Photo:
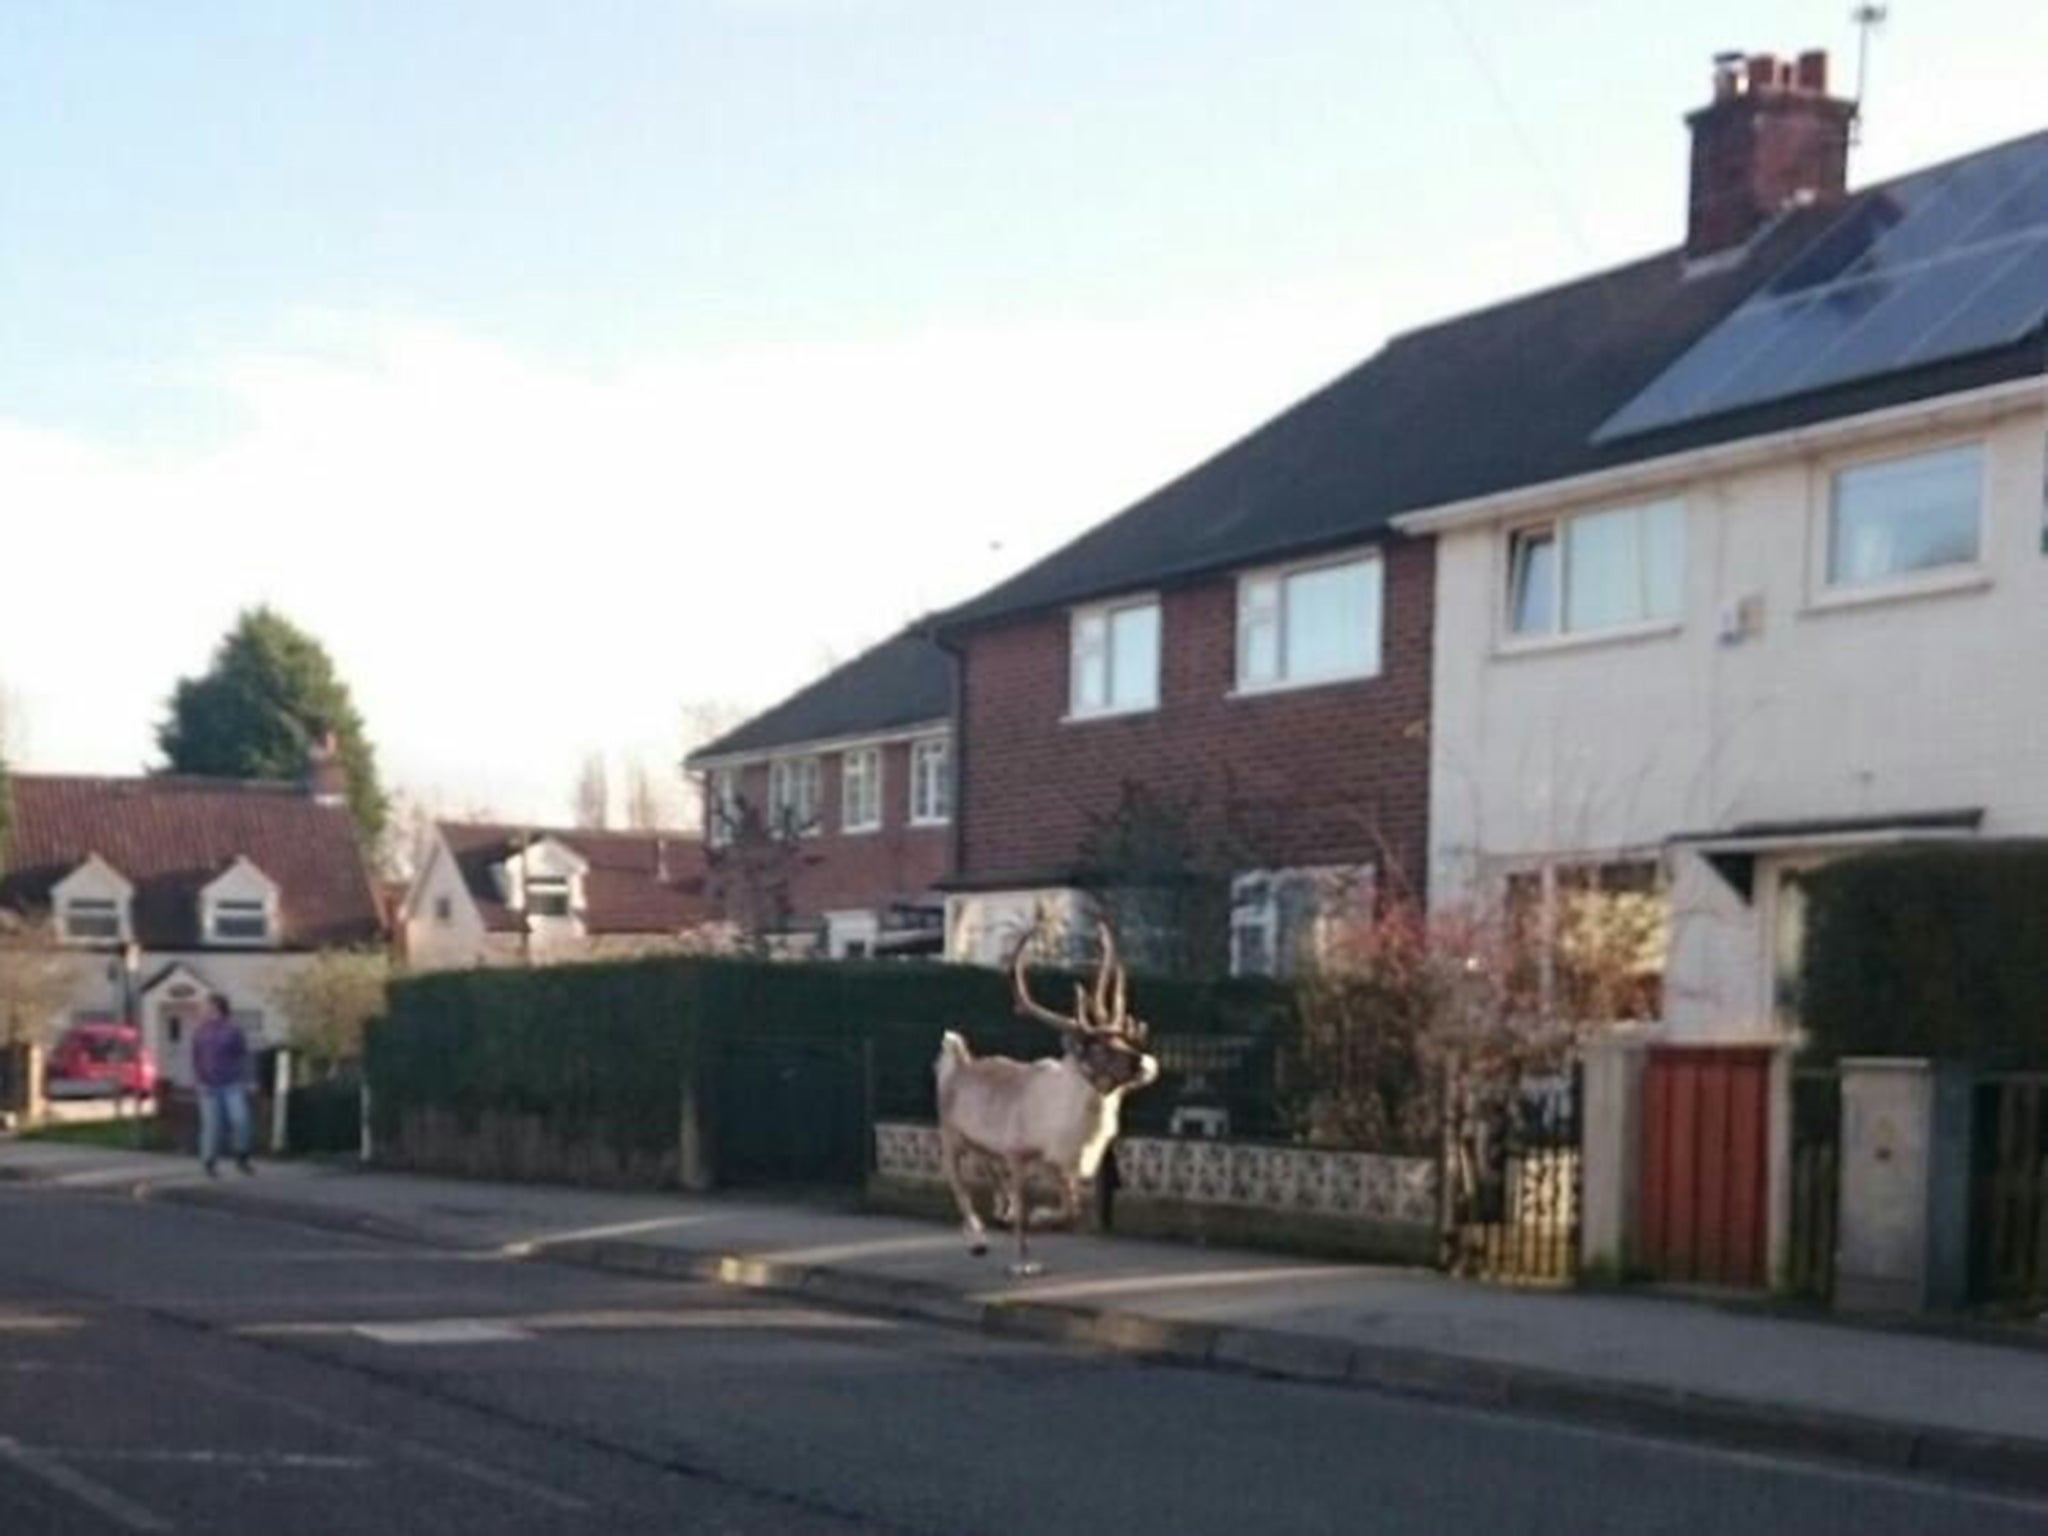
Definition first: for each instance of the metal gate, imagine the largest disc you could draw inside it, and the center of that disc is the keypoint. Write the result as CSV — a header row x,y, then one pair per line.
x,y
791,1109
1511,1176
1706,1156
2010,1179
1816,1182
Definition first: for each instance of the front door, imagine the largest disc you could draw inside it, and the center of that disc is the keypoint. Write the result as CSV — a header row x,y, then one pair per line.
x,y
173,1012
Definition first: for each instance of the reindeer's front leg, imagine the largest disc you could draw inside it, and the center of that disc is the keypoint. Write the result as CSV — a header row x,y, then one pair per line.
x,y
1020,1171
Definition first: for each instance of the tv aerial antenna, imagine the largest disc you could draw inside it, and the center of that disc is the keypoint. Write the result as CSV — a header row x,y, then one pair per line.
x,y
1869,17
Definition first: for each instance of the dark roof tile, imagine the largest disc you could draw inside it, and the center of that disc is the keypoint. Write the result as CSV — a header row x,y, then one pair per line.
x,y
1495,400
904,681
170,836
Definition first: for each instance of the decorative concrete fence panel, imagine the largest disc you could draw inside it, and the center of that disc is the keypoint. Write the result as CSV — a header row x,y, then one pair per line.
x,y
1363,1204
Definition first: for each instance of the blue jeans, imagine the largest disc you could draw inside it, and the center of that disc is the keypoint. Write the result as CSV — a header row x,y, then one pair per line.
x,y
230,1102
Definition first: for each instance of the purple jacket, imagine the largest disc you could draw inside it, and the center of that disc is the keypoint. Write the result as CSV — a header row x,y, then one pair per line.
x,y
220,1053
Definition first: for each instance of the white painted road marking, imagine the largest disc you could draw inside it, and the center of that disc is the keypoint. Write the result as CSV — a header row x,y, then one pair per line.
x,y
94,1496
443,1330
446,1461
263,1461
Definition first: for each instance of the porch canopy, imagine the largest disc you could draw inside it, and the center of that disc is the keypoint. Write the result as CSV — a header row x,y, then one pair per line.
x,y
1734,851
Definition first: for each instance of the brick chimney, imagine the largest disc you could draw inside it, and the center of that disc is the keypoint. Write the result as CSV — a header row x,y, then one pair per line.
x,y
326,777
1771,139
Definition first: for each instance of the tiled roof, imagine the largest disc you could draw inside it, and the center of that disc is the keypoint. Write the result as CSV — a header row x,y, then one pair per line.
x,y
1496,400
903,681
637,882
171,836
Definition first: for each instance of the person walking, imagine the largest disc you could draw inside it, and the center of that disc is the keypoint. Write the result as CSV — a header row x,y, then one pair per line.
x,y
220,1064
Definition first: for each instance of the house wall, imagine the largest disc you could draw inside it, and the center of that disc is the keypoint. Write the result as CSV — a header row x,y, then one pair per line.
x,y
1329,774
1909,703
434,945
253,981
843,871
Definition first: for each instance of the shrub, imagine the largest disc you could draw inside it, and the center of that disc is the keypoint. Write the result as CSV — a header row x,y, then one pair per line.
x,y
1934,950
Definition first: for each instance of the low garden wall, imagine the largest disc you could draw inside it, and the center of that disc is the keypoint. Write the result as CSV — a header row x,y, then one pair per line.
x,y
1302,1199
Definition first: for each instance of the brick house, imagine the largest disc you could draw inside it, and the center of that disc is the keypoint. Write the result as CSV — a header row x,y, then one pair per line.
x,y
161,891
1264,639
492,894
828,818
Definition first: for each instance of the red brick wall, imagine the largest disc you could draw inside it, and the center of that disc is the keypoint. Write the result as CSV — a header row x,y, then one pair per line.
x,y
842,871
1326,773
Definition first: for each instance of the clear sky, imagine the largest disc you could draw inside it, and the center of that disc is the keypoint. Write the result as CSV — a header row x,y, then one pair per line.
x,y
562,364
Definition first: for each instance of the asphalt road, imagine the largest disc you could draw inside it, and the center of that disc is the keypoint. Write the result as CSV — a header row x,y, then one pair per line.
x,y
173,1369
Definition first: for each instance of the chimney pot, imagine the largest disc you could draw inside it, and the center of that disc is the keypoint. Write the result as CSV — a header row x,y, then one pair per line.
x,y
1813,72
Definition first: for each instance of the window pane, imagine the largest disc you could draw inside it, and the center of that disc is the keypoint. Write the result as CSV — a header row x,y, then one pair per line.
x,y
1091,664
1602,586
1663,560
1532,582
1908,515
1258,631
1134,657
1333,621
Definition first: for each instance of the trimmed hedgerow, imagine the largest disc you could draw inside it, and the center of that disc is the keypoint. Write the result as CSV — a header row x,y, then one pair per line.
x,y
600,1055
1938,950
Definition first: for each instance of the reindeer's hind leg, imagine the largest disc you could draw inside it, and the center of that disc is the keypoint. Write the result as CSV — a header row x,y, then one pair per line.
x,y
951,1151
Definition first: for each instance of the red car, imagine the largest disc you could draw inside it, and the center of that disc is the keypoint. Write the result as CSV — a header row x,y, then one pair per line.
x,y
100,1061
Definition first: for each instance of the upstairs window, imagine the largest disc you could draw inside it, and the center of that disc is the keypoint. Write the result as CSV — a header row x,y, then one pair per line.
x,y
547,896
92,920
1902,516
240,922
1312,624
1598,570
1115,667
860,790
793,795
931,781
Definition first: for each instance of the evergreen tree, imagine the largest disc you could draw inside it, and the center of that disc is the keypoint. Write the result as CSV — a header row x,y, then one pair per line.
x,y
269,694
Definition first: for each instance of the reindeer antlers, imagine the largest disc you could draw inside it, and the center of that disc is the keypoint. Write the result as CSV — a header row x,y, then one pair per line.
x,y
1106,1012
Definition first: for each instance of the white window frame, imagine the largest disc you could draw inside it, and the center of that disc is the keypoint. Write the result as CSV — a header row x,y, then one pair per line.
x,y
1559,529
1105,614
1255,908
871,778
1827,591
931,794
240,906
721,806
1277,577
788,808
101,906
549,883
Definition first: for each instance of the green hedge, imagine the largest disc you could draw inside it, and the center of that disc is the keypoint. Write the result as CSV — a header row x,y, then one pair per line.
x,y
596,1052
600,1053
1937,950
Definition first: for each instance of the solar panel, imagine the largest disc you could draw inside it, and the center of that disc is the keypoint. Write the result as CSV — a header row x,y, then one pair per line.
x,y
1932,267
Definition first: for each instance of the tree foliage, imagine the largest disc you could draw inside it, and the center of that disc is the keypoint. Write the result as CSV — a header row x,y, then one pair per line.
x,y
35,979
1163,884
270,692
330,999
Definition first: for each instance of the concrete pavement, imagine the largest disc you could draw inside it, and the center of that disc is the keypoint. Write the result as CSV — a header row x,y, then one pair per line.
x,y
1897,1400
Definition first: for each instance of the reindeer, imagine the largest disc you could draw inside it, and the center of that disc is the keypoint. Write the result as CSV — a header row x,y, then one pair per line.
x,y
1058,1114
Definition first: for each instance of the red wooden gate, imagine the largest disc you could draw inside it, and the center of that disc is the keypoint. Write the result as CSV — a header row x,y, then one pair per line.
x,y
1706,1152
